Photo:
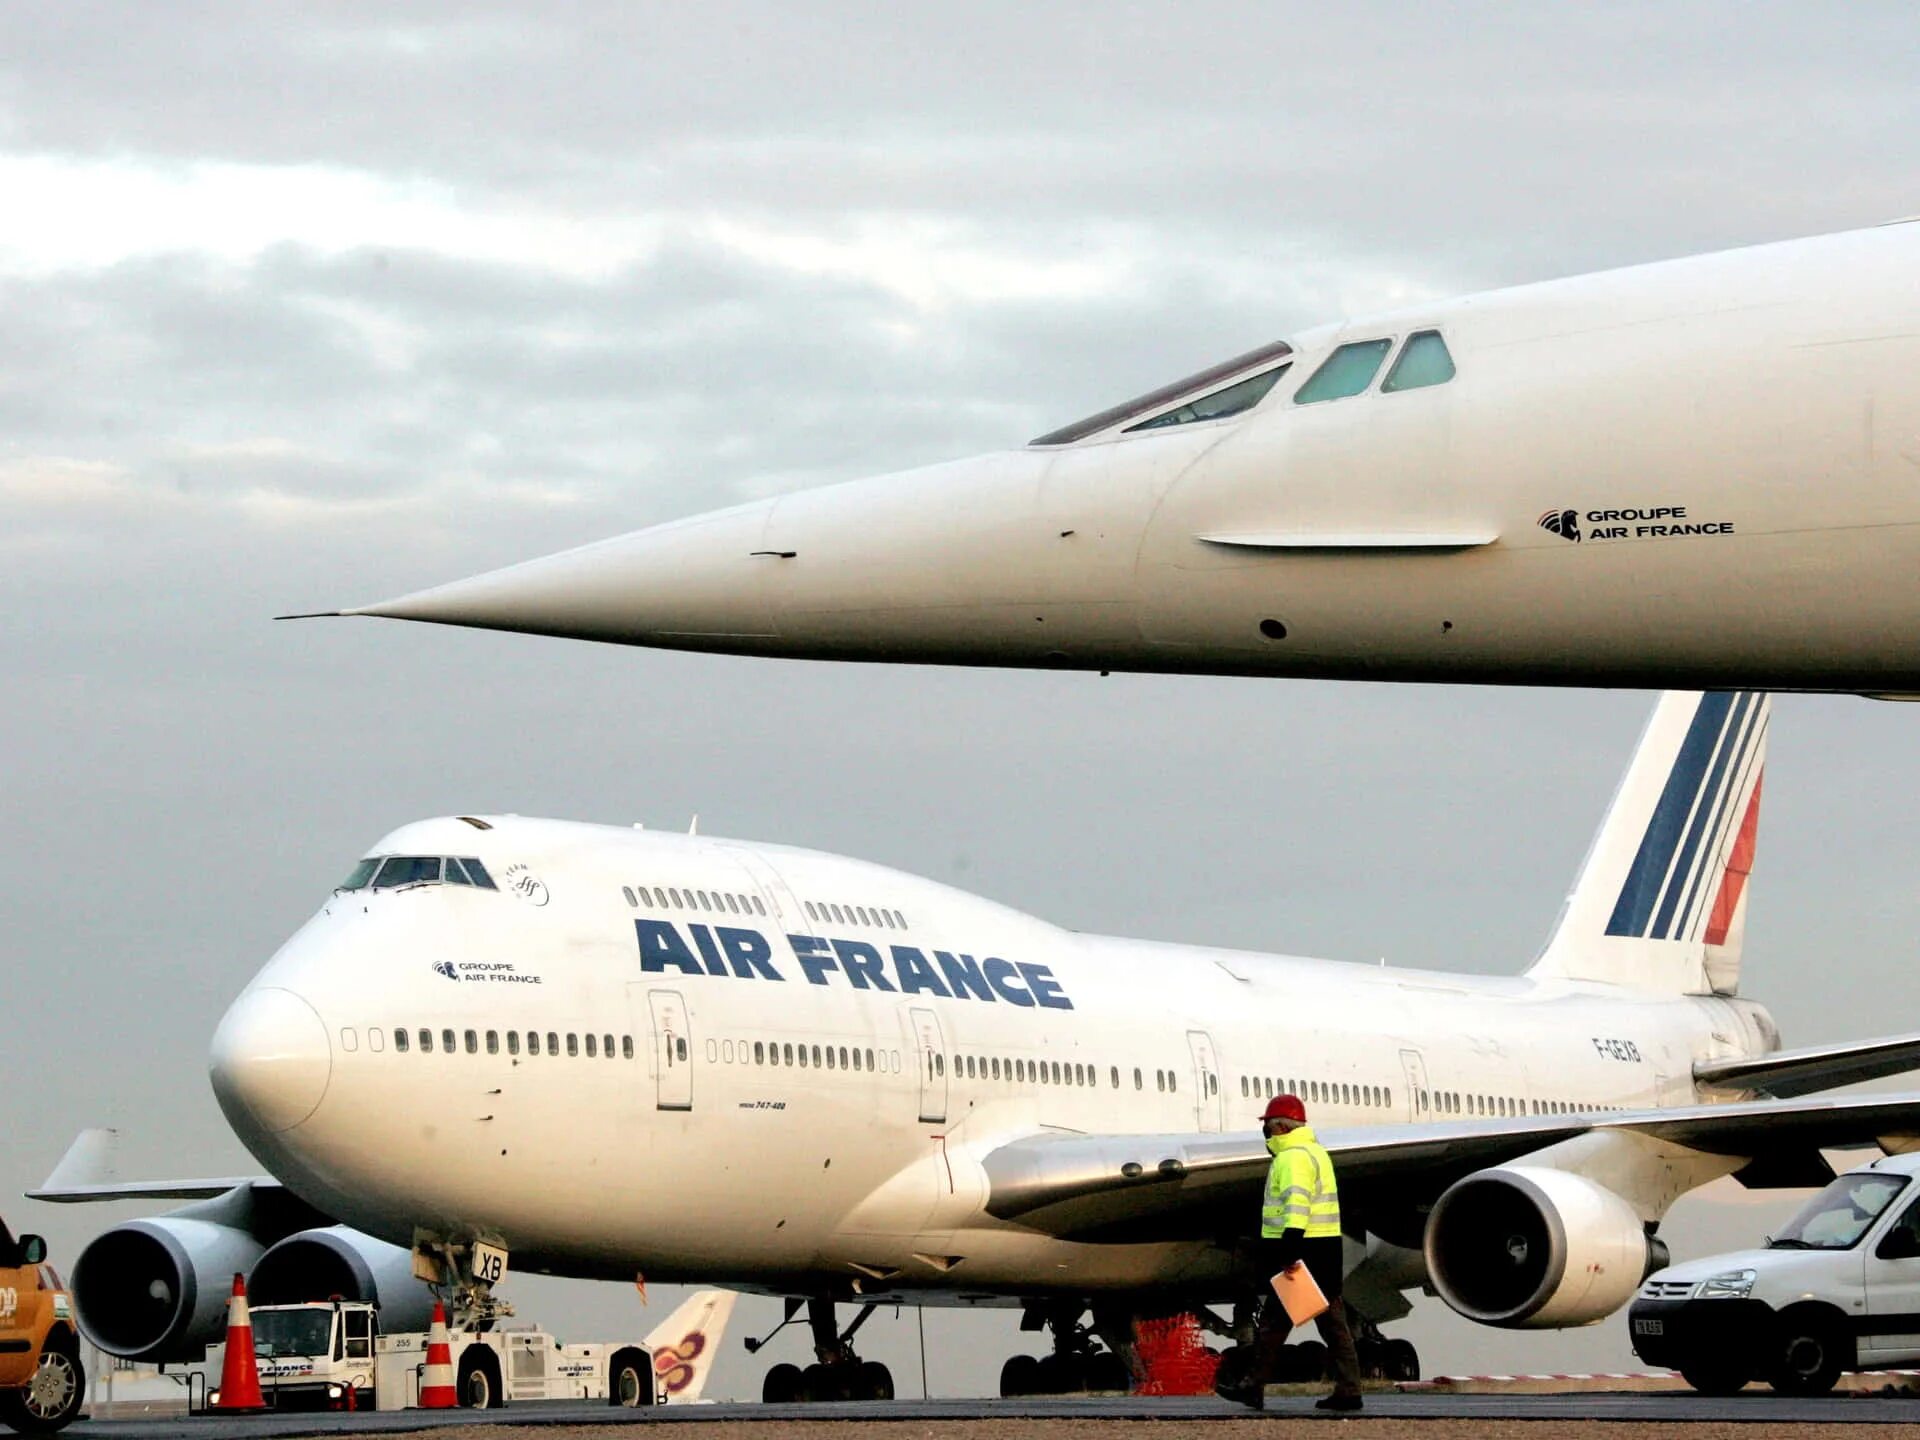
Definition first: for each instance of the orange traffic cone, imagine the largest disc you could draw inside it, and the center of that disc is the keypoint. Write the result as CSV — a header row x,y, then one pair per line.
x,y
436,1386
239,1371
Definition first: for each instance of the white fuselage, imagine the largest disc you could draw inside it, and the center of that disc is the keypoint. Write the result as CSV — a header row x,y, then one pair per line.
x,y
1735,436
688,1154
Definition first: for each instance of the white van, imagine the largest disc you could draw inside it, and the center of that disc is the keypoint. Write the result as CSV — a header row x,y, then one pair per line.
x,y
1838,1289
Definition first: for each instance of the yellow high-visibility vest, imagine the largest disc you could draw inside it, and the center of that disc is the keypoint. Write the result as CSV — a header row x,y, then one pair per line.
x,y
1301,1191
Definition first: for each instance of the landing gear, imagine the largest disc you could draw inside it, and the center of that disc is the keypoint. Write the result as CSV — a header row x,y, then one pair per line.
x,y
1381,1358
837,1372
1074,1365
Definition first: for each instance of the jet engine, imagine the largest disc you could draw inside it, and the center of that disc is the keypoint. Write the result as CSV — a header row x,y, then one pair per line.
x,y
1526,1247
320,1264
156,1290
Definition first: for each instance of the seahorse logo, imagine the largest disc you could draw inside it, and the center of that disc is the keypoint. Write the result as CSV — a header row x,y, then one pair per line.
x,y
673,1364
445,967
1564,523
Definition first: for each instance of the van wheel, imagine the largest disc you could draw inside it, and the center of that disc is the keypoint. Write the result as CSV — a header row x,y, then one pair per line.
x,y
1715,1377
629,1381
52,1397
1810,1355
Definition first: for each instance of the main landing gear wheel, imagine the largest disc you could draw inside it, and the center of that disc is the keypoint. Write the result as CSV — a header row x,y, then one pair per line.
x,y
1019,1376
875,1381
782,1385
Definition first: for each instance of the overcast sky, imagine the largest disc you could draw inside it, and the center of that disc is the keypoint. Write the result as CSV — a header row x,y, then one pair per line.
x,y
303,308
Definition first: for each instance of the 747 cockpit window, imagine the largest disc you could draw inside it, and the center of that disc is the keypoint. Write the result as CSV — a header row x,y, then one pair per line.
x,y
1204,385
390,872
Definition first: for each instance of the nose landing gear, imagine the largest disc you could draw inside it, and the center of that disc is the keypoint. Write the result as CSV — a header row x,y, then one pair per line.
x,y
837,1373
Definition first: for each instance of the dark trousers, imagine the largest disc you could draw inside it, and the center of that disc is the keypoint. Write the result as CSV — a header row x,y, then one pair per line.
x,y
1323,1258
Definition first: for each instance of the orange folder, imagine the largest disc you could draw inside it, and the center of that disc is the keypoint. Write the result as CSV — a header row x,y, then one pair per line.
x,y
1299,1293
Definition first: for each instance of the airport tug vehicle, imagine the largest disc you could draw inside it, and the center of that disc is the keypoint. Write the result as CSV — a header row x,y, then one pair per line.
x,y
1837,1290
42,1383
331,1355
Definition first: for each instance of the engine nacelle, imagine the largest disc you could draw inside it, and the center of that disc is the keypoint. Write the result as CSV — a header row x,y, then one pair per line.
x,y
320,1264
1528,1247
156,1290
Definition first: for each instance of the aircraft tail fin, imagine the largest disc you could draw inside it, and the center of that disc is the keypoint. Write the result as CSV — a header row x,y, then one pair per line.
x,y
685,1344
1661,900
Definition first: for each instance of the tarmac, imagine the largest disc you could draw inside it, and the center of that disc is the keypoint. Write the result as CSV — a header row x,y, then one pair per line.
x,y
1756,1413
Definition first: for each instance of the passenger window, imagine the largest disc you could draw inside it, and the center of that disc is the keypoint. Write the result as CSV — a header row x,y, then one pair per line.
x,y
473,1043
513,1042
626,1048
732,904
606,1047
493,1042
447,1042
1114,1070
680,1048
811,913
348,1039
816,1057
1347,371
591,1047
553,1042
787,1052
376,1040
758,908
1423,361
759,1053
843,1057
1236,398
399,1040
869,1059
1138,1083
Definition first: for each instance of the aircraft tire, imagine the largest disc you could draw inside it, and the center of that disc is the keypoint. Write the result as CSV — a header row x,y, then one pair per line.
x,y
1403,1361
782,1385
630,1381
1019,1376
1107,1371
875,1381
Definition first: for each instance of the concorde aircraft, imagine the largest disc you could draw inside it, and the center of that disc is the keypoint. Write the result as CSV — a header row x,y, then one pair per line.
x,y
605,1052
1700,472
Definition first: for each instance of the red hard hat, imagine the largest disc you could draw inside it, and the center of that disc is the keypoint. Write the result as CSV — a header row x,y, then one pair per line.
x,y
1285,1107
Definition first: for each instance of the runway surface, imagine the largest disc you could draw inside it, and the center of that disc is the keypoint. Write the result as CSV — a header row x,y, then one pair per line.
x,y
1757,1413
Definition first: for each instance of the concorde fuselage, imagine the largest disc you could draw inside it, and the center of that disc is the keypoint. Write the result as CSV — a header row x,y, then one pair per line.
x,y
1704,471
915,1028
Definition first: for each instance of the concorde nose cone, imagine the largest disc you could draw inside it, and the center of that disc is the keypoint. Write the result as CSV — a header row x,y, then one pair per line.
x,y
682,584
270,1061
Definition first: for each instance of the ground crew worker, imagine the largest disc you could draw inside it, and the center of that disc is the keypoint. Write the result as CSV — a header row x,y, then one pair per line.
x,y
1299,1223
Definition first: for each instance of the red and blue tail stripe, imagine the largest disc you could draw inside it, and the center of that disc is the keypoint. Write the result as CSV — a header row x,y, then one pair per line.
x,y
1684,873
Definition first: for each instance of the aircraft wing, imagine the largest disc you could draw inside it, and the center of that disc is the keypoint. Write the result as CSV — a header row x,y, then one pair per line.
x,y
1193,1186
1786,1073
89,1172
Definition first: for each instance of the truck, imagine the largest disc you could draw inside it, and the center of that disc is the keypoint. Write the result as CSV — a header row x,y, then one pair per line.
x,y
1837,1290
332,1355
42,1384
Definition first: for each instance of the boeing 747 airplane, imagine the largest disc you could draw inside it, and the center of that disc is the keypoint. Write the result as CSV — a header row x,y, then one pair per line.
x,y
1701,472
593,1051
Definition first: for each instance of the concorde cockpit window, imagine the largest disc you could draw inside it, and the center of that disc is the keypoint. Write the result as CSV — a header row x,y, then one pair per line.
x,y
1217,405
1347,371
1204,384
390,872
1423,360
1839,1215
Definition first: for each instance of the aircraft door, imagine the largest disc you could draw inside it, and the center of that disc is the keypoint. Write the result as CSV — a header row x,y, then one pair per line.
x,y
930,1056
1207,1099
672,1047
1415,1069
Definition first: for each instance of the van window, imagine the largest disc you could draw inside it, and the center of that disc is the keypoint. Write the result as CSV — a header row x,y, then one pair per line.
x,y
1839,1215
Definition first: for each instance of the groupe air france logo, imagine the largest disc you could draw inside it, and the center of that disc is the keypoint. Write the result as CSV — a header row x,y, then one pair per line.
x,y
445,967
1564,523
